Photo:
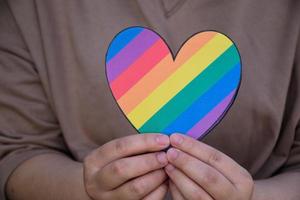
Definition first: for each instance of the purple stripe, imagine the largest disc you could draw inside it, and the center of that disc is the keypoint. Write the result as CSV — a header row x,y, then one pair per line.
x,y
130,53
206,122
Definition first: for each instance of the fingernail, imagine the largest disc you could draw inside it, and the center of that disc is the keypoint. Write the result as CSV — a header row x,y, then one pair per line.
x,y
162,158
162,139
169,167
173,153
177,139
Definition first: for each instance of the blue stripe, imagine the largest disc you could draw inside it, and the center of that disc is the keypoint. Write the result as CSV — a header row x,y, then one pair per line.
x,y
206,102
121,40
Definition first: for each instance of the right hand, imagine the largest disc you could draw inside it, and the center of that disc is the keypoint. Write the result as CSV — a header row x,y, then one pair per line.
x,y
128,168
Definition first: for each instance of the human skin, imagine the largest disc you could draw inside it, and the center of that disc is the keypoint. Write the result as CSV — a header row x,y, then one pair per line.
x,y
56,176
198,171
122,173
126,168
202,172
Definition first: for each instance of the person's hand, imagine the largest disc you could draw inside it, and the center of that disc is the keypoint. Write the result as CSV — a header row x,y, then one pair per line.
x,y
198,171
128,168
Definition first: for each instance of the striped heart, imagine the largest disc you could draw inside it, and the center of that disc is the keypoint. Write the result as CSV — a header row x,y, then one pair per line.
x,y
157,93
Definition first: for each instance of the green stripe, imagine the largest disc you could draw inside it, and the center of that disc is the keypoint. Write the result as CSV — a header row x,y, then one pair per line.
x,y
180,102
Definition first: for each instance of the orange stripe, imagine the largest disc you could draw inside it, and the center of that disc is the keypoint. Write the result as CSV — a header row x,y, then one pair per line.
x,y
160,72
139,68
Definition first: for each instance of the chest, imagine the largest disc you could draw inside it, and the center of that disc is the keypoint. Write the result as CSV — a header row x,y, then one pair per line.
x,y
80,37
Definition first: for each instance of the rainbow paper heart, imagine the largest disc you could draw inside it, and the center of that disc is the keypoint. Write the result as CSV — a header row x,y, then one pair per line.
x,y
157,93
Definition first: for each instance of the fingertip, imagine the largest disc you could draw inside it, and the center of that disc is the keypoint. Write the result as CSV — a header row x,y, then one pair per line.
x,y
169,168
176,139
172,154
162,158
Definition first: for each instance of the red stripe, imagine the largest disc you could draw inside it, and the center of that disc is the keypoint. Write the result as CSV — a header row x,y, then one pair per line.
x,y
139,68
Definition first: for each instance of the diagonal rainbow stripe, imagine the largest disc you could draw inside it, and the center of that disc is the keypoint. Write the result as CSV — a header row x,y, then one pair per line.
x,y
194,90
188,95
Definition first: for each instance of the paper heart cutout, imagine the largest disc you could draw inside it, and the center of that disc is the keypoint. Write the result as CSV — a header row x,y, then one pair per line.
x,y
188,95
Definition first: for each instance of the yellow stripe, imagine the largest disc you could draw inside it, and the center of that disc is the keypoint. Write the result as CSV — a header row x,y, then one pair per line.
x,y
178,80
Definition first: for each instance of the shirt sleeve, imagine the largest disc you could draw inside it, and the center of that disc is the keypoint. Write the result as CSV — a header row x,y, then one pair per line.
x,y
28,126
292,163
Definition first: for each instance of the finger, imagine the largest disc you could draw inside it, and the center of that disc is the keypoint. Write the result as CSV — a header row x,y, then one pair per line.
x,y
176,195
210,179
158,193
122,170
128,146
223,163
140,187
187,187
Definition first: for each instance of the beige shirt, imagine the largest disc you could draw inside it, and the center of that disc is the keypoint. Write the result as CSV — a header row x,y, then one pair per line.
x,y
54,95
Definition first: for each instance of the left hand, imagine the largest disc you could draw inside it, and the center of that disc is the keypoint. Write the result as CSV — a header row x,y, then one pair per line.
x,y
198,171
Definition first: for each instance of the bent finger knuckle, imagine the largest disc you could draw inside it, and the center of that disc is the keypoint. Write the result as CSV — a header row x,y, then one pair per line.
x,y
121,146
247,176
95,192
90,166
117,168
246,179
214,157
90,158
210,177
137,188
